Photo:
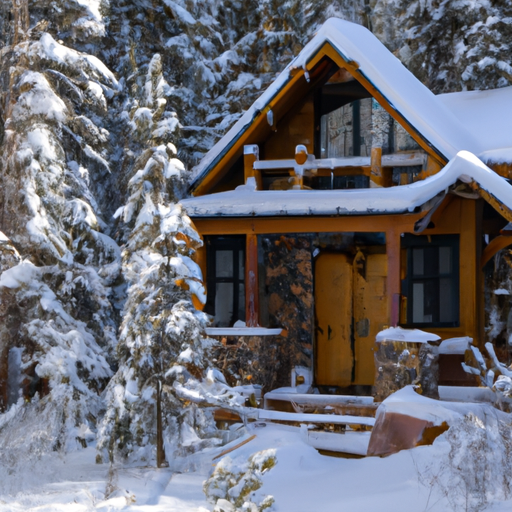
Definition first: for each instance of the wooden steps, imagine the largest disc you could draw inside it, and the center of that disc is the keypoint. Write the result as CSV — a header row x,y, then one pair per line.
x,y
329,423
315,419
327,404
354,443
275,400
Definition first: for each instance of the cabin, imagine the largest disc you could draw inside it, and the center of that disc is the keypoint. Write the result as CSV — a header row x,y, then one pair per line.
x,y
348,199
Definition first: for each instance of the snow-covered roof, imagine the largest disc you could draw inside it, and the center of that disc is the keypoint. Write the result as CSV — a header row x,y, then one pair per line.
x,y
426,113
246,201
487,115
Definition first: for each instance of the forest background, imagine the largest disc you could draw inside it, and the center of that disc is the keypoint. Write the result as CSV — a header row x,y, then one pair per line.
x,y
105,109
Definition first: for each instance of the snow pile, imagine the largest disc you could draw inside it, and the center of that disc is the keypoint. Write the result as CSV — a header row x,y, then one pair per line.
x,y
233,482
455,345
453,474
409,335
32,434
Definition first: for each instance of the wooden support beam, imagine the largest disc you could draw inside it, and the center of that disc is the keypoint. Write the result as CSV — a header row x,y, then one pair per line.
x,y
433,167
251,282
312,224
495,245
469,271
393,283
501,208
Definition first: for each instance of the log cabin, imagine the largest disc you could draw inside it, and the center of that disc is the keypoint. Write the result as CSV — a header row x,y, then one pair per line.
x,y
347,199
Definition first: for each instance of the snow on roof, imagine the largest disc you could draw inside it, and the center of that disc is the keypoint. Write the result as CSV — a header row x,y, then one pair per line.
x,y
246,201
488,115
404,92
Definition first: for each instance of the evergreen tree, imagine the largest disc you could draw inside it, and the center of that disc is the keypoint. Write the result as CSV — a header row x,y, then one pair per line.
x,y
162,351
58,320
453,45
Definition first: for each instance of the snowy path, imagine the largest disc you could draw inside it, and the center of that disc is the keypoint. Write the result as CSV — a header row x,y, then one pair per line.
x,y
76,484
302,481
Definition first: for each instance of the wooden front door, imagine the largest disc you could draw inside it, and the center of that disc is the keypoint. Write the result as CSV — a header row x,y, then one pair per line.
x,y
333,310
350,309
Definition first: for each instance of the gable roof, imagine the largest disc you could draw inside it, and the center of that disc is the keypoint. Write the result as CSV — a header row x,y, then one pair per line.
x,y
245,201
405,94
488,115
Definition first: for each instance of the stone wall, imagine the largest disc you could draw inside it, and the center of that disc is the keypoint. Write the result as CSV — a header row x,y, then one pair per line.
x,y
288,297
286,302
251,360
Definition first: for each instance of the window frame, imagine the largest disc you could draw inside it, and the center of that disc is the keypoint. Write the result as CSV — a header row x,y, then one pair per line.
x,y
411,242
235,244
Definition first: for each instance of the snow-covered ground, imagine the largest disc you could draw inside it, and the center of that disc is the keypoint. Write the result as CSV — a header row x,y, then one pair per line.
x,y
415,480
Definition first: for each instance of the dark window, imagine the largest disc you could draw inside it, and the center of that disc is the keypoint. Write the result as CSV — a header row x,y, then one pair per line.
x,y
225,279
432,282
338,182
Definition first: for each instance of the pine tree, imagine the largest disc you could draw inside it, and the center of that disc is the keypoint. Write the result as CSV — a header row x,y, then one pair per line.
x,y
454,45
58,318
162,351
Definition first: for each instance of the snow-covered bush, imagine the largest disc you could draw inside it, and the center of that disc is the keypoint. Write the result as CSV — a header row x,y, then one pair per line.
x,y
478,463
493,374
232,484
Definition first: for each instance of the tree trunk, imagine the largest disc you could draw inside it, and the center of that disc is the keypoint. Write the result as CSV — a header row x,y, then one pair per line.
x,y
21,20
160,453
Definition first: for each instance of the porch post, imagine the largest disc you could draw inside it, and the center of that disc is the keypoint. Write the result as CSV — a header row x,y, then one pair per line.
x,y
251,281
393,278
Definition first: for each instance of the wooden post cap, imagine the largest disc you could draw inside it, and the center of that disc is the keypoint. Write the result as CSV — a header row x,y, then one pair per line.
x,y
301,154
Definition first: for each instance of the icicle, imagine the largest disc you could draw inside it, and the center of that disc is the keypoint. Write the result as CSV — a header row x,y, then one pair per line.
x,y
270,118
306,74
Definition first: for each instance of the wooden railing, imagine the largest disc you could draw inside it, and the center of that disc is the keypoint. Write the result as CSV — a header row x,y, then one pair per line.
x,y
305,164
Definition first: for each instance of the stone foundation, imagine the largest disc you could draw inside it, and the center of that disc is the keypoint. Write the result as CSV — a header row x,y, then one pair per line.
x,y
399,364
262,360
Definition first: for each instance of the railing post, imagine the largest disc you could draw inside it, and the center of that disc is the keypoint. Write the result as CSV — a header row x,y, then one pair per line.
x,y
251,155
376,167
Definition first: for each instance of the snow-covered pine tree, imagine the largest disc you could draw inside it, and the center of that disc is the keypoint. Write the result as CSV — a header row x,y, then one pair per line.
x,y
163,371
57,319
454,45
285,27
218,56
